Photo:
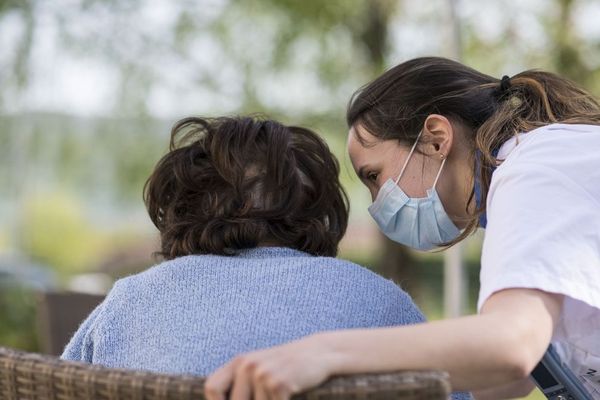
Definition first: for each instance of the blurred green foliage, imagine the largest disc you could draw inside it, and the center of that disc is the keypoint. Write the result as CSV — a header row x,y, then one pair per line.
x,y
56,233
18,318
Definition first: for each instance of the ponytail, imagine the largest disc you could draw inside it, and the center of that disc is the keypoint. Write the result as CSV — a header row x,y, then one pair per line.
x,y
532,100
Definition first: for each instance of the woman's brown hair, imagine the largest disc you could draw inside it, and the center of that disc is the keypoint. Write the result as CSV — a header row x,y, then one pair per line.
x,y
395,105
233,183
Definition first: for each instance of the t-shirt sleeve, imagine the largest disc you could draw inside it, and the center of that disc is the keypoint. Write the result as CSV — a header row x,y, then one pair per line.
x,y
543,232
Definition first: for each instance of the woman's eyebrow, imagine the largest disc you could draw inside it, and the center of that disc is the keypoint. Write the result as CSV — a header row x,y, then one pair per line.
x,y
361,171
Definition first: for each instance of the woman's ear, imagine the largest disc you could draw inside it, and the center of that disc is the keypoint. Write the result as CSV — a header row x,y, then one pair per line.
x,y
438,136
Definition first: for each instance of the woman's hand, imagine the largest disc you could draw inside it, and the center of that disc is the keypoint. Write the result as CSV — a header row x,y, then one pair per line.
x,y
273,374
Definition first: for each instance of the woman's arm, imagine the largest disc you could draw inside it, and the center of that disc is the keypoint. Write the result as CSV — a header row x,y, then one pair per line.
x,y
502,344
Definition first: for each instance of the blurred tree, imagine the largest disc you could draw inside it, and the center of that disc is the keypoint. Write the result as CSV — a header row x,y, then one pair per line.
x,y
566,55
297,60
56,232
17,72
17,319
570,55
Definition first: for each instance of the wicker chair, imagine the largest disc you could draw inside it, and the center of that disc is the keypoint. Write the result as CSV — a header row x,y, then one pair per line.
x,y
27,376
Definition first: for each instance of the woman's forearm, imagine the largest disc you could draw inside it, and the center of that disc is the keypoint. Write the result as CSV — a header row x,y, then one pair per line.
x,y
474,351
478,351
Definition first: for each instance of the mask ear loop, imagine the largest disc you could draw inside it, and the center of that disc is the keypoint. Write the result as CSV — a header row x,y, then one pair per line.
x,y
412,150
439,173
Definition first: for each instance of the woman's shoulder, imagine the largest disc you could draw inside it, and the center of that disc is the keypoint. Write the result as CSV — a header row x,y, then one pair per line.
x,y
563,127
563,153
549,142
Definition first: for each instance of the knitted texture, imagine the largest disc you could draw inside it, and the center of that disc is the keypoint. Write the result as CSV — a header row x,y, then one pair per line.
x,y
194,313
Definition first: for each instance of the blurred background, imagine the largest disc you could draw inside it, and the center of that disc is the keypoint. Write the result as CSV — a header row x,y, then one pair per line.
x,y
90,88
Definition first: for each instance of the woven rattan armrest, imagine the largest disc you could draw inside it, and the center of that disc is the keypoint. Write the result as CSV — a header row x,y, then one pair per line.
x,y
29,376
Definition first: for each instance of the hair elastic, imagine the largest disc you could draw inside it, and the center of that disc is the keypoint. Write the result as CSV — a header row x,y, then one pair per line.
x,y
505,83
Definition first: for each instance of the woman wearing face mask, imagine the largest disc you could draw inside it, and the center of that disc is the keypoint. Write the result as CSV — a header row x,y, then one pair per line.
x,y
444,149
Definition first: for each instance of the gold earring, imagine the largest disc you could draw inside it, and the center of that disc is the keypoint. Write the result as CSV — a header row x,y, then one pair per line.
x,y
442,156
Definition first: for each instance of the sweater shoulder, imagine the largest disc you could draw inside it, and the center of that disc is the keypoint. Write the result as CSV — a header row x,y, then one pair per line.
x,y
365,275
342,275
162,273
371,283
392,304
159,273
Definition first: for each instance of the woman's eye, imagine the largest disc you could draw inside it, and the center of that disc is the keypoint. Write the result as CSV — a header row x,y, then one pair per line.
x,y
372,176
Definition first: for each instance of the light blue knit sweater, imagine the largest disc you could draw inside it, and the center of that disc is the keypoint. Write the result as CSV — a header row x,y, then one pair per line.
x,y
194,313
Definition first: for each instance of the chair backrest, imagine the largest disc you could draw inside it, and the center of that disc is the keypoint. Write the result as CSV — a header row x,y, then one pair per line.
x,y
59,315
28,376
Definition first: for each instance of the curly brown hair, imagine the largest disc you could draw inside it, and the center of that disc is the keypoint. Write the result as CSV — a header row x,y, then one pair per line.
x,y
233,183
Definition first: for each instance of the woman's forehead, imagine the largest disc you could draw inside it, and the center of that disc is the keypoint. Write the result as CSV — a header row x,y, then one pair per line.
x,y
360,140
362,135
355,147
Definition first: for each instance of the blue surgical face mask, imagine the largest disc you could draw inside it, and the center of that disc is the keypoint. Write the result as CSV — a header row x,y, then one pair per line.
x,y
420,223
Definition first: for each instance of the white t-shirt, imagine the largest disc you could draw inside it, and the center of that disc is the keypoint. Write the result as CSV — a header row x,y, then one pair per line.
x,y
543,232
